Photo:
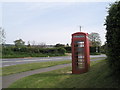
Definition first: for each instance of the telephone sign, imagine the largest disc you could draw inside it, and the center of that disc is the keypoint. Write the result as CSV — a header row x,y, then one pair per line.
x,y
80,53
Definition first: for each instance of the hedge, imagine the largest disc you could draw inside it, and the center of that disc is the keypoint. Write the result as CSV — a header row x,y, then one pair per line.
x,y
113,38
32,51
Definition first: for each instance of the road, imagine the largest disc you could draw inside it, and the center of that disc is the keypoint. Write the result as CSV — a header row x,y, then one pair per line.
x,y
15,61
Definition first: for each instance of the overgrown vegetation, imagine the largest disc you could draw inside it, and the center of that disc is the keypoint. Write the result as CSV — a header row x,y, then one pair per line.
x,y
113,38
97,77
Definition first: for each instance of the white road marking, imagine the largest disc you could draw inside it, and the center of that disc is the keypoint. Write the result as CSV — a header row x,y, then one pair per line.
x,y
7,61
31,60
6,65
25,60
58,58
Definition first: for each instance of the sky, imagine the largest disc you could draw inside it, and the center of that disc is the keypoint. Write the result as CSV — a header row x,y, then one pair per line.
x,y
51,22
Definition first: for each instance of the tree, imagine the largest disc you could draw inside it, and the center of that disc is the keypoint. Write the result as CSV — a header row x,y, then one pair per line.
x,y
104,48
113,37
28,44
59,45
94,39
67,45
42,45
19,43
33,43
2,36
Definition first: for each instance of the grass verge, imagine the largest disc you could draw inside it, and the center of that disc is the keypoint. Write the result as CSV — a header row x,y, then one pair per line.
x,y
30,66
97,77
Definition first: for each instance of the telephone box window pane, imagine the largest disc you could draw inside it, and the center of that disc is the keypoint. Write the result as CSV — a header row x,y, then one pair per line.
x,y
80,57
81,44
80,60
80,50
81,65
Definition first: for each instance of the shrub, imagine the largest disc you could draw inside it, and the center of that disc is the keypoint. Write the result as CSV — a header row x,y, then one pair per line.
x,y
93,50
61,50
68,49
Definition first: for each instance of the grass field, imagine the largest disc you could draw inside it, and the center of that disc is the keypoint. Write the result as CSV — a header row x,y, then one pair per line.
x,y
97,77
30,66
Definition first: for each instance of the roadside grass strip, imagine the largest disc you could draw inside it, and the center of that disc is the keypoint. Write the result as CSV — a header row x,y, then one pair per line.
x,y
30,66
97,77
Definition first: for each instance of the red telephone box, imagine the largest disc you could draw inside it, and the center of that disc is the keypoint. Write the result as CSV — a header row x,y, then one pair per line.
x,y
80,53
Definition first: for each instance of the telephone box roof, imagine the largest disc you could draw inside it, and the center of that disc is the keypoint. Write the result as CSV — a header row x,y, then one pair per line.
x,y
78,33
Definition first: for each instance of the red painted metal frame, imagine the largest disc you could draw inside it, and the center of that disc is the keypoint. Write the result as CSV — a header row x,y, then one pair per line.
x,y
75,69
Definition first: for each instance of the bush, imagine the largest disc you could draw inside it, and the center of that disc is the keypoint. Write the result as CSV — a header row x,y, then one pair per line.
x,y
61,50
6,50
93,50
113,37
103,48
68,49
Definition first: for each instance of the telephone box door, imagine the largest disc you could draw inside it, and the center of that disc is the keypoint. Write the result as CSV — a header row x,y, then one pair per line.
x,y
80,55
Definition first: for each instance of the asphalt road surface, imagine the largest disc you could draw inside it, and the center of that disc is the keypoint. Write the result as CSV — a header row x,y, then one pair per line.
x,y
14,61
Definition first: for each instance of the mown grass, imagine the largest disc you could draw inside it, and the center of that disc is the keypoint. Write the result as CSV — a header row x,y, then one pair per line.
x,y
97,77
30,66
